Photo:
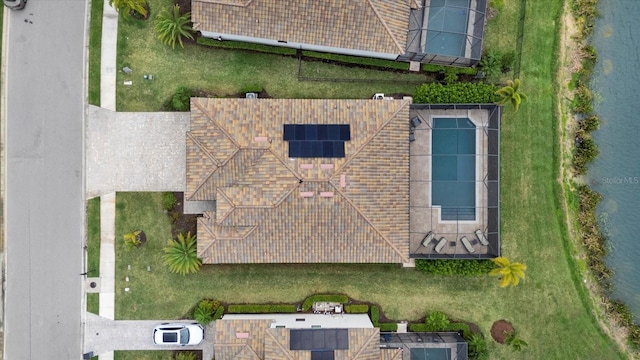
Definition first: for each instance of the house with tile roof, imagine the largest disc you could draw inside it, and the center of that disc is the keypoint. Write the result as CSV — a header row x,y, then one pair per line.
x,y
326,337
300,180
436,31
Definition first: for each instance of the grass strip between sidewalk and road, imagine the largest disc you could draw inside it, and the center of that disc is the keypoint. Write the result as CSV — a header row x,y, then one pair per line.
x,y
95,51
93,250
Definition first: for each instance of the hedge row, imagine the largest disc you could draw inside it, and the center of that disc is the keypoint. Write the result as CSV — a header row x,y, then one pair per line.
x,y
261,309
375,316
308,303
456,93
230,44
455,267
219,312
357,309
441,68
359,60
422,327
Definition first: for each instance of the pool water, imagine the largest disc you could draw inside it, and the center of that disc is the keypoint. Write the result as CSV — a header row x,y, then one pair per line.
x,y
453,168
447,27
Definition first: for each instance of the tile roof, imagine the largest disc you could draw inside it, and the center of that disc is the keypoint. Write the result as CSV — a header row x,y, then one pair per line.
x,y
236,155
257,340
369,25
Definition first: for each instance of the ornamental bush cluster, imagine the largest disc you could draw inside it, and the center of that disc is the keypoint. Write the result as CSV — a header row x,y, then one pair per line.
x,y
455,267
456,93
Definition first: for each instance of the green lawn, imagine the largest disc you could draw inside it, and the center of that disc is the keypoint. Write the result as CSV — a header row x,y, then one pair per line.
x,y
93,243
224,72
550,309
95,50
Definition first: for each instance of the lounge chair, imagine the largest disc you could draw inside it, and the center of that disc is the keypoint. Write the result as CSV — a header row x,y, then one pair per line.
x,y
482,238
467,244
427,238
440,245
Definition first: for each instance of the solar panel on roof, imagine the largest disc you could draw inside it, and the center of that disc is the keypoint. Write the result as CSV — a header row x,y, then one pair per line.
x,y
316,140
333,132
319,339
322,355
345,132
289,132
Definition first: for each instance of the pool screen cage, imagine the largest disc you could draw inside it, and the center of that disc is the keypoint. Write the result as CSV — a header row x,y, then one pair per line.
x,y
455,181
427,345
446,32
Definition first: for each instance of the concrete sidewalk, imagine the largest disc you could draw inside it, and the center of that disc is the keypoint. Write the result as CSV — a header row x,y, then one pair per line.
x,y
108,57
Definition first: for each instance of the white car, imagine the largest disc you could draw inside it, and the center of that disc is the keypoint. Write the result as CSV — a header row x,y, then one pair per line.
x,y
15,4
178,334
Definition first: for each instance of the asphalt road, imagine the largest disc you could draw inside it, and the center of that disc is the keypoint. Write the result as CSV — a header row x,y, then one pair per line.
x,y
44,180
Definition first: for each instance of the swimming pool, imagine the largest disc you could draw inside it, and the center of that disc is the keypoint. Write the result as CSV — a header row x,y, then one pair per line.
x,y
447,27
453,168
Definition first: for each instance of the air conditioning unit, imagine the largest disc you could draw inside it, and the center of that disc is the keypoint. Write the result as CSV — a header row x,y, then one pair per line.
x,y
251,95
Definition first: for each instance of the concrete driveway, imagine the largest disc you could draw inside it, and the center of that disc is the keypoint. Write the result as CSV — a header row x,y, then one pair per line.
x,y
103,335
135,151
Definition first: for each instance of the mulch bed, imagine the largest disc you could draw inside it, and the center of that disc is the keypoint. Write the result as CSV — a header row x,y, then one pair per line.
x,y
500,329
181,222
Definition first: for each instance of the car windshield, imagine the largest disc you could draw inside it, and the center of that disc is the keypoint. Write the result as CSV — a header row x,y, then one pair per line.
x,y
184,336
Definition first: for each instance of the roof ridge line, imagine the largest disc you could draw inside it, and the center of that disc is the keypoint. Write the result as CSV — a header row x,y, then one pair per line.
x,y
279,344
207,154
232,205
368,140
206,114
202,148
357,209
366,343
384,23
210,232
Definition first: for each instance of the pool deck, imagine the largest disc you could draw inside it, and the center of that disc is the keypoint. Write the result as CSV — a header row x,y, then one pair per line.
x,y
424,216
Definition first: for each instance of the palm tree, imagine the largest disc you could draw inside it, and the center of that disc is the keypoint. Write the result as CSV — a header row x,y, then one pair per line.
x,y
125,7
172,27
511,93
181,255
510,273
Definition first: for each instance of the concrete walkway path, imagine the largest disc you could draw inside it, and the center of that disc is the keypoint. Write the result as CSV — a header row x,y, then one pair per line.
x,y
108,53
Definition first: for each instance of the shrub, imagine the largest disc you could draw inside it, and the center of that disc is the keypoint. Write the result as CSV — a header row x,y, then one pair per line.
x,y
454,267
375,314
586,150
419,327
507,61
168,200
181,255
514,341
185,355
308,302
450,75
219,312
497,4
583,99
229,44
387,326
491,64
589,124
357,309
203,313
359,60
181,99
261,308
132,239
477,346
433,68
458,93
436,321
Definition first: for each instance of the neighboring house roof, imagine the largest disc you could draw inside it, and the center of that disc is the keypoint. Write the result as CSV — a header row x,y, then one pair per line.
x,y
255,339
358,211
369,25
